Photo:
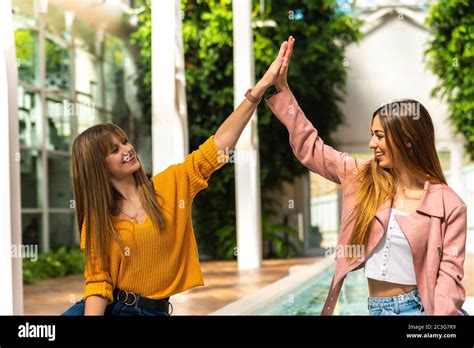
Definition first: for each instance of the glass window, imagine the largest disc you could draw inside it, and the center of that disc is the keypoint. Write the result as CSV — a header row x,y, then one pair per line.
x,y
62,230
26,42
29,116
59,113
59,181
86,112
87,79
114,74
57,21
32,227
58,62
31,172
24,11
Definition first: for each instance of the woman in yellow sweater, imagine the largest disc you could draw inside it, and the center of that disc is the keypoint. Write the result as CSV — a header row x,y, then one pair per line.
x,y
137,234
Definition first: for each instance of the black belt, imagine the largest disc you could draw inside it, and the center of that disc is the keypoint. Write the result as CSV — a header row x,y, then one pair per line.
x,y
131,299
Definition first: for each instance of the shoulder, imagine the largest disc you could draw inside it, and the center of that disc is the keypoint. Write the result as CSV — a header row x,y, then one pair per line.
x,y
450,197
451,200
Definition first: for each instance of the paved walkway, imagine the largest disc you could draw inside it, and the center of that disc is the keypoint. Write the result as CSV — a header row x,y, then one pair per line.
x,y
223,284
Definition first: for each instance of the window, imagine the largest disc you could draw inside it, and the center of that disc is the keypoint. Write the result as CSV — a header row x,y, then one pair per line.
x,y
58,62
26,42
61,230
31,172
59,181
29,116
59,114
32,228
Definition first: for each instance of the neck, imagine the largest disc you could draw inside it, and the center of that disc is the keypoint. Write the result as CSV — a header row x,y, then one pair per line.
x,y
409,182
127,187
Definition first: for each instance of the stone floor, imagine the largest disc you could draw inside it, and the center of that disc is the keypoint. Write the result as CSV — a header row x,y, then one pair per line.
x,y
223,284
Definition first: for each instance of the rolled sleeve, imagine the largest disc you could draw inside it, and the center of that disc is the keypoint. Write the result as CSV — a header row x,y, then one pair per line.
x,y
97,282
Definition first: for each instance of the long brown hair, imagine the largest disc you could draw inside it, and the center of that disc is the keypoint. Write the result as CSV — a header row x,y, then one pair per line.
x,y
410,140
96,199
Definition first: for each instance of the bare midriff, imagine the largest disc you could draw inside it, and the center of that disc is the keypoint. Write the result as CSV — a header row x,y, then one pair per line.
x,y
378,288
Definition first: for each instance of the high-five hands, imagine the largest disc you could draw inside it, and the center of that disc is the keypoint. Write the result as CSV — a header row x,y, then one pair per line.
x,y
281,82
278,70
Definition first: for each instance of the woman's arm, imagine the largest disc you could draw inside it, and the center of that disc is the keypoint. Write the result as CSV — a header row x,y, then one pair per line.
x,y
98,288
449,292
307,146
95,305
229,132
306,143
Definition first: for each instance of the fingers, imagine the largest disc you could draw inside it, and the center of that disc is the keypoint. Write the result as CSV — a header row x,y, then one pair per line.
x,y
289,50
283,49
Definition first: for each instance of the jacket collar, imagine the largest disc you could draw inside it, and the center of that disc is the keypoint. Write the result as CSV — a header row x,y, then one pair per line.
x,y
431,203
432,200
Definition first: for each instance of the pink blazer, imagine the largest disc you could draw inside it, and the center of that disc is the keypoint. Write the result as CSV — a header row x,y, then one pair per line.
x,y
436,232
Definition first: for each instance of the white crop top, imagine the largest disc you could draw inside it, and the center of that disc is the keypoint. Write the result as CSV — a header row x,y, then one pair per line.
x,y
392,259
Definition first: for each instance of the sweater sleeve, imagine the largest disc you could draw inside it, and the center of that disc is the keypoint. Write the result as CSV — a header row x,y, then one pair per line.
x,y
201,163
97,282
307,146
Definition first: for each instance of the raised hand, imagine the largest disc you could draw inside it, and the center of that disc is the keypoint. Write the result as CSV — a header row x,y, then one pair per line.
x,y
281,82
273,71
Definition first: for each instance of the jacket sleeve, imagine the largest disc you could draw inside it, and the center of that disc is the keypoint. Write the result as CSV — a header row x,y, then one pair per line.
x,y
449,292
307,146
97,282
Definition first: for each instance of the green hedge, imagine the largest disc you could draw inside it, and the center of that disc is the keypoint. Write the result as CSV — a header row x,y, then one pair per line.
x,y
63,261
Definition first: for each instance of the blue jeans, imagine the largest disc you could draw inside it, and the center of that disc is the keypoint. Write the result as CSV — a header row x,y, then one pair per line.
x,y
407,304
115,308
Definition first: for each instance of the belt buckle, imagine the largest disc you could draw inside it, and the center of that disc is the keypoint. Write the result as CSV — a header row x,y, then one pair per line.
x,y
125,301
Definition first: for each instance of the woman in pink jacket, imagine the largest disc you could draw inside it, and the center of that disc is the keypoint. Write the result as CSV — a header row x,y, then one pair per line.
x,y
400,220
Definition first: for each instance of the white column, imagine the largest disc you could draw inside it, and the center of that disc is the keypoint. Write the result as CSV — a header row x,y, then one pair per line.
x,y
247,170
169,114
11,289
456,177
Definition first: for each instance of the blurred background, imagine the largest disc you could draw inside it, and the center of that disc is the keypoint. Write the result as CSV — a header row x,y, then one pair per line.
x,y
85,62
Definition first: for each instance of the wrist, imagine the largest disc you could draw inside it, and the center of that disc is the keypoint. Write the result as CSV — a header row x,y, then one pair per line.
x,y
259,90
252,96
282,88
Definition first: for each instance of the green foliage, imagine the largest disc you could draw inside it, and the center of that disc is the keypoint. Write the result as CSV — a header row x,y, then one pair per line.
x,y
60,262
450,55
316,73
280,241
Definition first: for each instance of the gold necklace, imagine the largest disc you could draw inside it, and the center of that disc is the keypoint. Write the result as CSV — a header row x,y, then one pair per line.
x,y
134,218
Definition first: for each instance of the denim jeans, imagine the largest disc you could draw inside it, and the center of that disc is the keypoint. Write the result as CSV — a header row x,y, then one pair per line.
x,y
407,304
115,308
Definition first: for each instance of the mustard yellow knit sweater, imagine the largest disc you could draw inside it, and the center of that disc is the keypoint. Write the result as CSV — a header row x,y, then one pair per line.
x,y
160,263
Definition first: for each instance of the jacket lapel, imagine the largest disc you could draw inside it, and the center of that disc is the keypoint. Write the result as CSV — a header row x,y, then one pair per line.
x,y
416,227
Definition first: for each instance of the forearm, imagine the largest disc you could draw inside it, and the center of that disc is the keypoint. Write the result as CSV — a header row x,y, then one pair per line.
x,y
95,305
229,132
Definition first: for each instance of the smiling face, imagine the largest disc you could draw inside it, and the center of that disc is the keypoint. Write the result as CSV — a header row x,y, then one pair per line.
x,y
122,159
378,145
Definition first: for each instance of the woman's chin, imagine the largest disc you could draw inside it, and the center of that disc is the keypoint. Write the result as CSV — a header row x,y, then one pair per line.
x,y
385,164
134,168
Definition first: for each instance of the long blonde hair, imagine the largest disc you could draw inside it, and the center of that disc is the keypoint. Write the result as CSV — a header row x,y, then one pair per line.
x,y
96,199
410,140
